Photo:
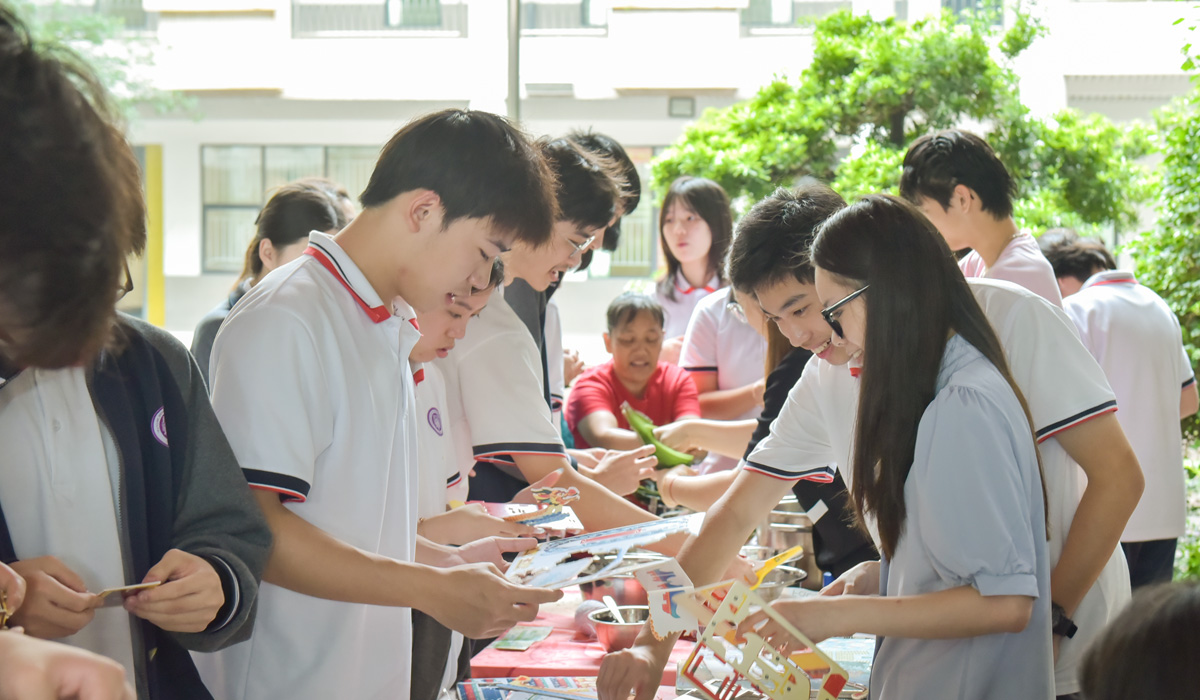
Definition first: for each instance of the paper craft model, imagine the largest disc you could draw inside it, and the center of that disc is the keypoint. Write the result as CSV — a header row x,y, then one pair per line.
x,y
721,609
557,564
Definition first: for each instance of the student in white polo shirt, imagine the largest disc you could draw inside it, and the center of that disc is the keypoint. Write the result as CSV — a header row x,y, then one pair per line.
x,y
726,356
498,413
1136,338
958,181
695,225
311,379
1072,407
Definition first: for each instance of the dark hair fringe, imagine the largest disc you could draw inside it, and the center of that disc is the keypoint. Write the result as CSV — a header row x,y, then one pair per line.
x,y
710,202
937,163
1072,256
773,238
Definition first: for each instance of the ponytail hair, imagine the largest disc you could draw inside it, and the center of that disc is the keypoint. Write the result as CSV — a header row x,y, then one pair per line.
x,y
294,210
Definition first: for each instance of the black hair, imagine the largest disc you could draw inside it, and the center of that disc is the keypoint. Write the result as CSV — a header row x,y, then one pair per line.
x,y
588,185
338,193
480,165
71,207
773,238
293,211
710,203
631,193
1150,649
917,296
628,305
937,163
1072,256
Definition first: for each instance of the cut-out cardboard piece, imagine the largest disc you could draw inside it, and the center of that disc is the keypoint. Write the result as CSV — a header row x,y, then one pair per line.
x,y
556,564
555,495
561,518
666,583
770,672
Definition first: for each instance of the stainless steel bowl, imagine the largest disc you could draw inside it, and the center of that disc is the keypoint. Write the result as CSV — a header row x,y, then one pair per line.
x,y
780,578
615,636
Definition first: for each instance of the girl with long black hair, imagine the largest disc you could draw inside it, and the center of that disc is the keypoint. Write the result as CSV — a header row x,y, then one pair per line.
x,y
945,468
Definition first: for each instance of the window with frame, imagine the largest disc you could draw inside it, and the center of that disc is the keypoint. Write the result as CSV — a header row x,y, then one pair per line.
x,y
237,180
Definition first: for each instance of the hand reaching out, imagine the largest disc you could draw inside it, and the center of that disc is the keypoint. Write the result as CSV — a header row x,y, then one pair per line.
x,y
56,602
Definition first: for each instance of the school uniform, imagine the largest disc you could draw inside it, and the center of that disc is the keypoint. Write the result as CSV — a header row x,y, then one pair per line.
x,y
720,342
838,544
206,329
496,403
108,467
554,358
975,517
1063,386
670,395
312,384
1022,263
1136,338
679,302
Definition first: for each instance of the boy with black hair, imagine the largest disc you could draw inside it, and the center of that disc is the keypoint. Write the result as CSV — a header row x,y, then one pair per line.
x,y
498,363
312,382
1135,337
1069,399
957,180
115,470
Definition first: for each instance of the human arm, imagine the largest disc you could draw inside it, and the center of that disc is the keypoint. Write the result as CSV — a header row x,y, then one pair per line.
x,y
726,404
33,669
954,613
1189,401
671,348
692,435
1114,486
704,558
598,507
681,486
600,429
474,599
469,523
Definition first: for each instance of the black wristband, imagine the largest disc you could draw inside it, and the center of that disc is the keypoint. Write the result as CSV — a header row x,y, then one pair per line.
x,y
1060,624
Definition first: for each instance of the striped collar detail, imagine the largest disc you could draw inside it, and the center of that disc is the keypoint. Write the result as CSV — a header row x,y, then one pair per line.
x,y
1109,277
325,251
713,284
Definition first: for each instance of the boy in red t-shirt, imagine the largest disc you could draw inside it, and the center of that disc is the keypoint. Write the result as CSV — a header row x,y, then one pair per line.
x,y
661,390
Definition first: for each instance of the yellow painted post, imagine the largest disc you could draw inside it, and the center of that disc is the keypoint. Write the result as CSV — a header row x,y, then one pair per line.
x,y
156,307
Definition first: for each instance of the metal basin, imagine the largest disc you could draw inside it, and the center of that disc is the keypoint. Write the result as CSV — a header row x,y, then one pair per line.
x,y
780,578
624,588
615,636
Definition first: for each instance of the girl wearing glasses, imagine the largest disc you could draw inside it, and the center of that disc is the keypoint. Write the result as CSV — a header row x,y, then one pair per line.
x,y
695,227
945,468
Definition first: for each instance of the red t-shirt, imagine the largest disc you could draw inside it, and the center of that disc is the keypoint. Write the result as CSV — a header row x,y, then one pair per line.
x,y
670,395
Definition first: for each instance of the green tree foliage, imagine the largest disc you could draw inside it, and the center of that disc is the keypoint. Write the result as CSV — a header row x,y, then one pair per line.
x,y
875,85
121,59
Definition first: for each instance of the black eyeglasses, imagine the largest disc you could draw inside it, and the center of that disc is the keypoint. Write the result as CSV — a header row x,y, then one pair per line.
x,y
827,314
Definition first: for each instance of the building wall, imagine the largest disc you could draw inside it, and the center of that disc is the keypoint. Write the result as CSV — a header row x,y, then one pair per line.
x,y
256,84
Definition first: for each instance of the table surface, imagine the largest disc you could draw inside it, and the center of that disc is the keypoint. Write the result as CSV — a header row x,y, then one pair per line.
x,y
560,654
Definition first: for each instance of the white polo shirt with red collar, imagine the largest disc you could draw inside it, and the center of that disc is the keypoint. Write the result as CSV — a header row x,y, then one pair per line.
x,y
720,342
439,474
1063,386
1136,338
677,311
312,386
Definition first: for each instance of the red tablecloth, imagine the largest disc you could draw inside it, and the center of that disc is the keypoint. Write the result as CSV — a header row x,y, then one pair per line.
x,y
560,654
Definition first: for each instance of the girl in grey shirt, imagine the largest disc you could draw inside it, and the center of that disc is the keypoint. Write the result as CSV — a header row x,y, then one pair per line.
x,y
945,468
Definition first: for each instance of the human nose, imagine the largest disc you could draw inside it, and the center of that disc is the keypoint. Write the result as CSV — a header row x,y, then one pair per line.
x,y
480,275
458,331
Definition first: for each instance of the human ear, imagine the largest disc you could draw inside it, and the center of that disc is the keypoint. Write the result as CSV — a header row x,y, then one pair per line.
x,y
424,211
266,252
963,199
607,343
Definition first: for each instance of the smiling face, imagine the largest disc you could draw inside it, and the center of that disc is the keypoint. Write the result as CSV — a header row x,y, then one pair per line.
x,y
542,266
852,316
441,328
635,346
795,309
687,235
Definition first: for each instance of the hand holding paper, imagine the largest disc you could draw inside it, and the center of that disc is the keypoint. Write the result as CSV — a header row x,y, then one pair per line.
x,y
187,600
